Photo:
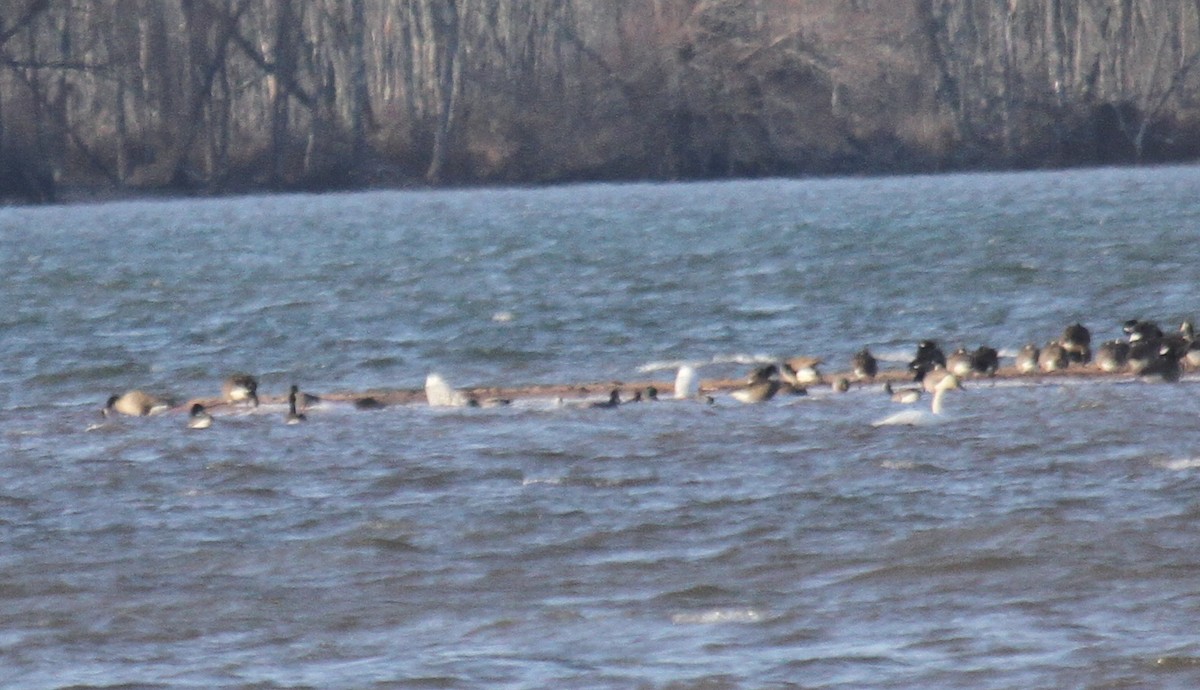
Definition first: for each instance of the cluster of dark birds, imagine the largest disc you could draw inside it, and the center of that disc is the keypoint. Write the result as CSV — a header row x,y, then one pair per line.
x,y
1144,351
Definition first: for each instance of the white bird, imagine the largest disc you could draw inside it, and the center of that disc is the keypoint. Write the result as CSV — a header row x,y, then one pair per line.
x,y
441,394
687,384
921,417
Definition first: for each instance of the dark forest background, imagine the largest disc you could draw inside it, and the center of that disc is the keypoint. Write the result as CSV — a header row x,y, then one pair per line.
x,y
212,96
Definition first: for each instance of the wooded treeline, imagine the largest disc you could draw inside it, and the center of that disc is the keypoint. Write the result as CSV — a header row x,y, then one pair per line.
x,y
237,95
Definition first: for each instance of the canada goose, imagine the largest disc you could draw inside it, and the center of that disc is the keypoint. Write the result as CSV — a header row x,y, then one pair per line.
x,y
306,400
199,418
804,370
1141,330
960,362
1112,356
1142,356
864,365
985,360
1027,359
293,417
760,387
240,387
134,403
1076,341
928,356
904,395
921,417
1053,357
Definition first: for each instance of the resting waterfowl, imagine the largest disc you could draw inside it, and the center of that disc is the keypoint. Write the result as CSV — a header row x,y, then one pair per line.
x,y
841,384
440,394
928,357
1141,330
760,387
240,388
960,363
804,370
864,366
199,418
687,383
293,416
1142,356
134,403
1053,357
985,360
1027,359
1076,341
1112,356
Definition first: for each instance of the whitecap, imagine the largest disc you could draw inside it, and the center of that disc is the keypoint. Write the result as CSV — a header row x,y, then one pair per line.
x,y
717,616
1179,464
530,481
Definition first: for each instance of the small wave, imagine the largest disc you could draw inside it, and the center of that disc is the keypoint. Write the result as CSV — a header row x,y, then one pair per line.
x,y
734,358
530,481
1178,465
717,616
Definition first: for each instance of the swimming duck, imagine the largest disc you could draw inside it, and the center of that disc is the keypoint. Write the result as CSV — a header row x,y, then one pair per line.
x,y
1053,357
1112,356
199,418
1027,359
864,365
928,356
240,387
760,387
841,384
614,400
1076,341
134,403
904,395
293,417
945,383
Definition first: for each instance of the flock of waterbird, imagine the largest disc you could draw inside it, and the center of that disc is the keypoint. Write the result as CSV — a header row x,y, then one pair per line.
x,y
1144,351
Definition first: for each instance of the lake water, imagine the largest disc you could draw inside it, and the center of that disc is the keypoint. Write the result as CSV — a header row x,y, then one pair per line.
x,y
1041,536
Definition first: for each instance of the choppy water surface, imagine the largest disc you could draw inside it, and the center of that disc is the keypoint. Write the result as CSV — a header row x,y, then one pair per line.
x,y
1038,537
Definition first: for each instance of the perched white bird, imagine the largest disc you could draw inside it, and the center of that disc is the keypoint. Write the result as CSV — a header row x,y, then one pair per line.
x,y
441,394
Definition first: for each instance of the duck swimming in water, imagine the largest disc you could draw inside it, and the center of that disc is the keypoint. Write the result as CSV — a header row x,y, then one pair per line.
x,y
946,383
199,418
